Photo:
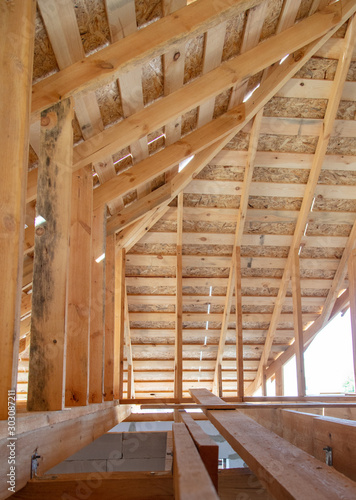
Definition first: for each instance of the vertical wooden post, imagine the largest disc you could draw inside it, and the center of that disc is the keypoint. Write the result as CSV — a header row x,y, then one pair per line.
x,y
352,290
97,307
51,260
239,339
17,27
109,318
279,382
79,287
119,337
298,324
178,372
264,382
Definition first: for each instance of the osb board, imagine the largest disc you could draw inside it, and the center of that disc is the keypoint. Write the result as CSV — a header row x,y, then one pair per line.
x,y
271,20
328,229
281,175
221,173
92,23
44,62
147,11
211,200
194,53
274,203
109,102
295,107
152,80
325,205
189,121
150,290
337,177
233,36
222,103
287,143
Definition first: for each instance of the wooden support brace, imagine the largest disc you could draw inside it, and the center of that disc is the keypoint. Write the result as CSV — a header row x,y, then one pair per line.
x,y
119,338
191,479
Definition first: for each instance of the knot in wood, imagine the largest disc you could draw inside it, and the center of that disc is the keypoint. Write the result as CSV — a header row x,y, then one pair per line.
x,y
176,56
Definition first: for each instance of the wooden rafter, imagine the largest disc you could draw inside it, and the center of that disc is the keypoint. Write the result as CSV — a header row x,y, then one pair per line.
x,y
320,152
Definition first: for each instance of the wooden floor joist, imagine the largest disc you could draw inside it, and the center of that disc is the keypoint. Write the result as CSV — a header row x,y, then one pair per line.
x,y
285,470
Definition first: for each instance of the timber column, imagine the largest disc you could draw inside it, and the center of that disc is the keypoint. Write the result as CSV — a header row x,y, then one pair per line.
x,y
17,28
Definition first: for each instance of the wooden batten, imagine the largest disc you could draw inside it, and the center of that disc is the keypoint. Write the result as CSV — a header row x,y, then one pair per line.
x,y
51,261
79,290
298,324
109,318
352,289
17,26
97,307
119,335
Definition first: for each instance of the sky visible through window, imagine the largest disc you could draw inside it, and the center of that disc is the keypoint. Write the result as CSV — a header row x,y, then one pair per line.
x,y
328,361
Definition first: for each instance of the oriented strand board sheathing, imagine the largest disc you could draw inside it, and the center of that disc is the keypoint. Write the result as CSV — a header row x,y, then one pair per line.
x,y
150,271
189,121
275,203
321,253
222,103
221,173
282,175
154,249
109,101
268,228
147,11
239,142
315,229
296,107
334,205
44,61
151,290
287,143
211,200
318,68
271,20
93,24
337,177
342,146
152,80
304,9
264,251
194,54
347,110
233,36
122,164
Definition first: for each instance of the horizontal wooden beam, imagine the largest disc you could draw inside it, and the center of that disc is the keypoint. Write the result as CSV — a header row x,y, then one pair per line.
x,y
285,470
99,485
313,433
36,432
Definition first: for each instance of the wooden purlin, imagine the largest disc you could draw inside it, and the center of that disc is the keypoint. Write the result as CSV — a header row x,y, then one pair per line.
x,y
320,152
178,363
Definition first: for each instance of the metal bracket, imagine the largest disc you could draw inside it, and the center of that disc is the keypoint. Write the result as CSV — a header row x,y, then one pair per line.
x,y
34,465
328,455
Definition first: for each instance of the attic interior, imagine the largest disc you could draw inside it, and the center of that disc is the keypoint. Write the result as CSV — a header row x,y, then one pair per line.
x,y
177,222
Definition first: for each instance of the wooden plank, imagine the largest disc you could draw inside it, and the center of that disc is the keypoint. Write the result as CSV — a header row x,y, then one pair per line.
x,y
183,100
352,289
17,26
136,49
298,324
131,485
285,470
79,290
312,433
130,369
36,433
173,74
97,307
49,310
207,448
191,479
109,318
178,363
239,339
320,152
119,339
